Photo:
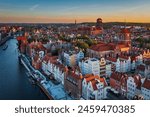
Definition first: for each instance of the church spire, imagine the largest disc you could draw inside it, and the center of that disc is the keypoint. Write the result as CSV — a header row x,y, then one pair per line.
x,y
75,21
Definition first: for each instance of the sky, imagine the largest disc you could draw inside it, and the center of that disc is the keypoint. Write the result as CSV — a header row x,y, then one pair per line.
x,y
67,11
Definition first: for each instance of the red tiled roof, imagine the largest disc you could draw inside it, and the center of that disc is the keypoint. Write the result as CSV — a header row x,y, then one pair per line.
x,y
124,57
98,28
90,77
52,59
35,58
112,59
21,38
146,84
133,58
60,66
102,47
46,58
125,30
137,80
73,75
103,81
94,82
37,46
84,28
121,45
117,76
123,80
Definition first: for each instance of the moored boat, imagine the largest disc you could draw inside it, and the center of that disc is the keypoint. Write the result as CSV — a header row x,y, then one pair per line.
x,y
5,47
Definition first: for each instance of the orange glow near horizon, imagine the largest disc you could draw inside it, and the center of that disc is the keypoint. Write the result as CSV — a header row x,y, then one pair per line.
x,y
70,20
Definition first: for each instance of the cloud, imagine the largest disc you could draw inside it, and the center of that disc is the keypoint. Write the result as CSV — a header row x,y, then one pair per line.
x,y
34,7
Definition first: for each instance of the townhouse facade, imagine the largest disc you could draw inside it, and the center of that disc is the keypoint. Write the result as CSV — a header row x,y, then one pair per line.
x,y
93,87
72,58
73,84
118,82
90,66
53,69
143,70
133,86
146,89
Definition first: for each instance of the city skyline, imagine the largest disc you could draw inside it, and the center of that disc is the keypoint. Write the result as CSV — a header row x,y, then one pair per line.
x,y
67,11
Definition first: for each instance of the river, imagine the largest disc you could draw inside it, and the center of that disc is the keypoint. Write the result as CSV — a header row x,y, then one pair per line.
x,y
14,83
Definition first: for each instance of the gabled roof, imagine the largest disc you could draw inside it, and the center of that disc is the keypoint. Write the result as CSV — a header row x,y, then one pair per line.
x,y
103,81
117,76
73,75
125,30
137,80
124,57
90,77
37,46
103,47
111,59
35,58
146,84
94,84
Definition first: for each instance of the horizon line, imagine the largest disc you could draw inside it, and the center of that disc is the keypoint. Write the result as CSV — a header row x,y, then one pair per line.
x,y
68,22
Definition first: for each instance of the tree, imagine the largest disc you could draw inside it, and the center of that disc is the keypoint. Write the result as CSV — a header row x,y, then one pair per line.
x,y
82,45
90,42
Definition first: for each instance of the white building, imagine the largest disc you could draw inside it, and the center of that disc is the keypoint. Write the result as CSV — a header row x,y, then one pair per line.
x,y
59,73
72,58
146,89
93,87
121,65
45,67
139,59
133,65
144,70
134,86
108,69
90,66
53,69
131,87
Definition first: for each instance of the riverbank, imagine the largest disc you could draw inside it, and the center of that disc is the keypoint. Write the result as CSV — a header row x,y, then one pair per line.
x,y
52,90
14,82
4,40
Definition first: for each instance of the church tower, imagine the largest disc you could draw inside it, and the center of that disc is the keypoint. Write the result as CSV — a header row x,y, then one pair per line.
x,y
75,22
99,23
125,36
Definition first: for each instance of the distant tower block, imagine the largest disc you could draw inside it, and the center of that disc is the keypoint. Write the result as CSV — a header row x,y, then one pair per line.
x,y
99,23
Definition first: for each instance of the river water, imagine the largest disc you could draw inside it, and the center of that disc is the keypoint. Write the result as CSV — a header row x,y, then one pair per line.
x,y
14,83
